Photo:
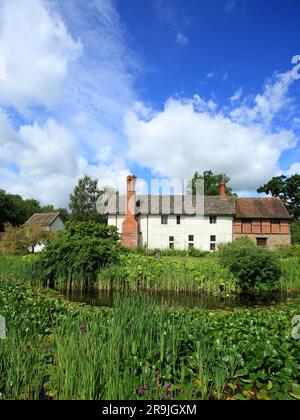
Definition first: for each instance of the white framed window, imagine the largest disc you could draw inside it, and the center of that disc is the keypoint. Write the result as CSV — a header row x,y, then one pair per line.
x,y
213,220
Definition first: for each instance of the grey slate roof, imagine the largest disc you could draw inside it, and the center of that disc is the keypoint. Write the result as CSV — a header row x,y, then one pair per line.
x,y
42,219
174,204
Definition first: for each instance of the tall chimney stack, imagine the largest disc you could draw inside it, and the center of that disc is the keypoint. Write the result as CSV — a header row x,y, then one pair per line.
x,y
223,195
130,224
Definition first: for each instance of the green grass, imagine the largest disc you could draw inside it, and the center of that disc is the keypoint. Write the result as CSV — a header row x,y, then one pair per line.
x,y
58,350
291,273
169,273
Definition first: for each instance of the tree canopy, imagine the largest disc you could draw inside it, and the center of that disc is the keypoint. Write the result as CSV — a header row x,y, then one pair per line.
x,y
15,210
83,201
288,190
211,183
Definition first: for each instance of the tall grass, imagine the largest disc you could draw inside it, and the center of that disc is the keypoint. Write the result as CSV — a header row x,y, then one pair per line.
x,y
291,274
131,352
140,272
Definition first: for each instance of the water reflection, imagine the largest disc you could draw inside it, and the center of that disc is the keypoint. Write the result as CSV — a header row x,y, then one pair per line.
x,y
95,297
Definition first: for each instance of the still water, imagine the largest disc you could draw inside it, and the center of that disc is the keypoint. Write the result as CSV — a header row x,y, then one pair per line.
x,y
96,297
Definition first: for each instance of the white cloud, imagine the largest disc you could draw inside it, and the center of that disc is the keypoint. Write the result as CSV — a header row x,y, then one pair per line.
x,y
75,52
189,135
48,164
37,49
237,95
294,169
182,40
263,108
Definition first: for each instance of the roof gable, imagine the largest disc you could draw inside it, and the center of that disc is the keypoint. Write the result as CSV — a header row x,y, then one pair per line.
x,y
43,219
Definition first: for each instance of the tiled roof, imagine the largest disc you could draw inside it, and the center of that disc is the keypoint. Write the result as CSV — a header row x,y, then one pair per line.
x,y
261,208
43,219
174,204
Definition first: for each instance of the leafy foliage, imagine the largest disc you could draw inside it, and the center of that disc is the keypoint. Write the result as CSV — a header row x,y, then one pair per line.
x,y
83,201
143,272
295,232
22,240
211,183
256,269
56,350
192,252
15,210
288,190
79,252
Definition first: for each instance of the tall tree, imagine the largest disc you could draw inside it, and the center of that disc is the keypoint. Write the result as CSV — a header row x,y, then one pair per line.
x,y
288,190
83,201
211,183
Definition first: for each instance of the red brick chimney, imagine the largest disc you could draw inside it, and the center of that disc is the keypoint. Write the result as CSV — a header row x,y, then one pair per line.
x,y
223,195
130,224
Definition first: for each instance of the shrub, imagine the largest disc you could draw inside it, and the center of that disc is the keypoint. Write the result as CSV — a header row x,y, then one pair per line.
x,y
288,251
22,240
193,252
79,252
295,232
256,269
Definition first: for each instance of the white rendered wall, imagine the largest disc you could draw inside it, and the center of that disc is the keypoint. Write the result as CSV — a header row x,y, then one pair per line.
x,y
58,224
156,235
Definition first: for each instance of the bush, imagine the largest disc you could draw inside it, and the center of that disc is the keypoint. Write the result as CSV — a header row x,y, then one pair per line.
x,y
295,232
193,252
289,251
256,269
79,252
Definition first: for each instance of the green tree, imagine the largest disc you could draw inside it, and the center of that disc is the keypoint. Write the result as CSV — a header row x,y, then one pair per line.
x,y
83,201
288,190
211,183
15,210
295,232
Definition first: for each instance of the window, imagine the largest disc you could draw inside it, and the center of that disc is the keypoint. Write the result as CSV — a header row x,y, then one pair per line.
x,y
171,242
213,247
164,219
178,220
213,220
191,238
213,238
191,245
261,242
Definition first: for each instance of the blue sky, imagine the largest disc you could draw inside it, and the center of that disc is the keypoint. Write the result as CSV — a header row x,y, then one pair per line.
x,y
161,88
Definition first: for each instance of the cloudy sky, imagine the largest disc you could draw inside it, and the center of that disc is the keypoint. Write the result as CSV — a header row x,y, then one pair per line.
x,y
159,88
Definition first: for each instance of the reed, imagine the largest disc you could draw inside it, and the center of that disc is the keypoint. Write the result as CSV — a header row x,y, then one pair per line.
x,y
291,274
56,350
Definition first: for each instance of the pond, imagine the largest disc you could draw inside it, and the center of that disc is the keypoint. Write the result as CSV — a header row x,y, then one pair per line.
x,y
96,297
